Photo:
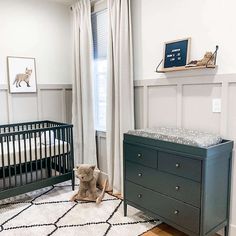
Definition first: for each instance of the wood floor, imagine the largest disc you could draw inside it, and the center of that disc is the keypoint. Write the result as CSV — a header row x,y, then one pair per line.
x,y
165,230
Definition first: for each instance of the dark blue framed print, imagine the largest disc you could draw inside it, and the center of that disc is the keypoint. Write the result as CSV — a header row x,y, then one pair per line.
x,y
176,53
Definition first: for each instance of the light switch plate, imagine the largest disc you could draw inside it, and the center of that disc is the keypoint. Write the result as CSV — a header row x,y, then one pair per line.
x,y
216,105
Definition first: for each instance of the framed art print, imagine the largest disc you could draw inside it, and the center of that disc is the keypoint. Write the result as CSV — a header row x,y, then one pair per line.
x,y
176,53
22,75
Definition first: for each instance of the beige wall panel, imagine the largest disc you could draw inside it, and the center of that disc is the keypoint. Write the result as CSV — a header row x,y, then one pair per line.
x,y
162,106
102,154
3,107
24,107
197,107
232,111
68,98
138,107
231,129
51,104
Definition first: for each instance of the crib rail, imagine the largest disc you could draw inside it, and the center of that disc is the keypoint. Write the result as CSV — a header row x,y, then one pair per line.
x,y
34,151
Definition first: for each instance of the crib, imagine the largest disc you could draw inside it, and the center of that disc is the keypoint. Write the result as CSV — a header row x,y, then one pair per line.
x,y
35,155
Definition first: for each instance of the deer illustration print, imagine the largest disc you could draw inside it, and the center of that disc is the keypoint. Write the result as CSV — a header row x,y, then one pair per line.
x,y
23,77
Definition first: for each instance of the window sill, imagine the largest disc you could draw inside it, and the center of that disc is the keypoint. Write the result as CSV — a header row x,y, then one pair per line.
x,y
101,133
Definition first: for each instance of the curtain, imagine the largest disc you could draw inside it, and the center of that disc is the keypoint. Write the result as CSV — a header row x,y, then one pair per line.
x,y
83,107
120,95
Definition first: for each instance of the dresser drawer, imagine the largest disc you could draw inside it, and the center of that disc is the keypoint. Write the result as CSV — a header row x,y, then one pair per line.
x,y
168,184
178,165
179,213
141,155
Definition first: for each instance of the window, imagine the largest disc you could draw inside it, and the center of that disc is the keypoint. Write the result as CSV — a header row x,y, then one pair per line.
x,y
100,33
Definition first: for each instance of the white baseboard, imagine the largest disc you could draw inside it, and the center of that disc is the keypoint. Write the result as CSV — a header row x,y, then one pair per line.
x,y
232,230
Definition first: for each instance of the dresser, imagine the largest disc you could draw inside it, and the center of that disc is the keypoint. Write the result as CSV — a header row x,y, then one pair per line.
x,y
184,186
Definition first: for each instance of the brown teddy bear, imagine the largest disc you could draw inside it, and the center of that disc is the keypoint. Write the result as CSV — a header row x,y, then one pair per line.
x,y
88,180
208,59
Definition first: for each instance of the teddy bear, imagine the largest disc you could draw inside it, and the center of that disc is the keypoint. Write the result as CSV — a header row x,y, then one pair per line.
x,y
88,176
208,59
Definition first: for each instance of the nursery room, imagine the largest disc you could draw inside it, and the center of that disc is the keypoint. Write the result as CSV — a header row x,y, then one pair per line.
x,y
117,117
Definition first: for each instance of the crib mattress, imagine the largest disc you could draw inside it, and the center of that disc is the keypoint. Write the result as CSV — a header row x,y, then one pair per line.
x,y
179,135
22,151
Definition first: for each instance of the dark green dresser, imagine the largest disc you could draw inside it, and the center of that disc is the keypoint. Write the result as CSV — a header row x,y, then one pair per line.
x,y
184,186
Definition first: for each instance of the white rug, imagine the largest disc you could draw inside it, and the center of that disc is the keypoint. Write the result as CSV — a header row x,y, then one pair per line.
x,y
48,212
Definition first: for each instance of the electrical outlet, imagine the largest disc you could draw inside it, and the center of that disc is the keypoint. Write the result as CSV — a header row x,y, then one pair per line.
x,y
216,105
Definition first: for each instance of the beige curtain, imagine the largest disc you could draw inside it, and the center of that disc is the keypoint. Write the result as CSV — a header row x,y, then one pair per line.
x,y
120,104
82,108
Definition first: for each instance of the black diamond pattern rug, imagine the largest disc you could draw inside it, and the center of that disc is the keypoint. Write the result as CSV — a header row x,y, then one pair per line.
x,y
49,212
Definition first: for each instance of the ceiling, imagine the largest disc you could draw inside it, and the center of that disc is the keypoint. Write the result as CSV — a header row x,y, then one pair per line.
x,y
65,2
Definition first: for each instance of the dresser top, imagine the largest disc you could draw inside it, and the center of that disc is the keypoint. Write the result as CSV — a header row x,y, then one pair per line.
x,y
194,151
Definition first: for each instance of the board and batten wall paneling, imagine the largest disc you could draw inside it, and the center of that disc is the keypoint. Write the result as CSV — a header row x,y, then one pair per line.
x,y
24,107
3,106
52,101
232,111
52,104
162,105
138,107
68,100
197,107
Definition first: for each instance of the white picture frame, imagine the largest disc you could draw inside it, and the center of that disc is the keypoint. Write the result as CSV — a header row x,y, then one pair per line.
x,y
22,74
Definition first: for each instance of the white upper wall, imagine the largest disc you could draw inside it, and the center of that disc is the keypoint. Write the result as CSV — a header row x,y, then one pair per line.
x,y
207,22
40,29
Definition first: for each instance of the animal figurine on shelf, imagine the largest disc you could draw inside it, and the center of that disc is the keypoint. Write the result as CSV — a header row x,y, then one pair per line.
x,y
88,177
23,77
207,60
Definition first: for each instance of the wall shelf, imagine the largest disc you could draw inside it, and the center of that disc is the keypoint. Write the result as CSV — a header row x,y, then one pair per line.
x,y
183,68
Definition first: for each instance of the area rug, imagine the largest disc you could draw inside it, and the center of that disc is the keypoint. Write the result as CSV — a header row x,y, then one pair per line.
x,y
49,212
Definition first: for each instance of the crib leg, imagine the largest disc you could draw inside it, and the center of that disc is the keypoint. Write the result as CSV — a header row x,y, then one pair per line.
x,y
73,181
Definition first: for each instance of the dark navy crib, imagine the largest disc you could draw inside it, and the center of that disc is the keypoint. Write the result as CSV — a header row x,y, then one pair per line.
x,y
34,155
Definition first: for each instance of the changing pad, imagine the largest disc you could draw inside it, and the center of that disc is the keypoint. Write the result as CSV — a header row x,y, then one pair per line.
x,y
179,135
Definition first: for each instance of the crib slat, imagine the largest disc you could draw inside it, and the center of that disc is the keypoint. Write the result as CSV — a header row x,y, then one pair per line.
x,y
59,150
45,150
36,154
30,155
50,155
19,147
3,164
55,157
14,158
8,161
63,150
40,148
25,154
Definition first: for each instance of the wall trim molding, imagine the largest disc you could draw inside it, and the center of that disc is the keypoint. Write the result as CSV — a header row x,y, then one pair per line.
x,y
187,79
61,91
43,86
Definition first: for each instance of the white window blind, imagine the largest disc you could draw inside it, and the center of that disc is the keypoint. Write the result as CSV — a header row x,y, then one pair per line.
x,y
100,35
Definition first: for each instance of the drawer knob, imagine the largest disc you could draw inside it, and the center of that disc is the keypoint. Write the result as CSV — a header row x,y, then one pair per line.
x,y
140,175
177,188
139,195
139,155
177,165
176,212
